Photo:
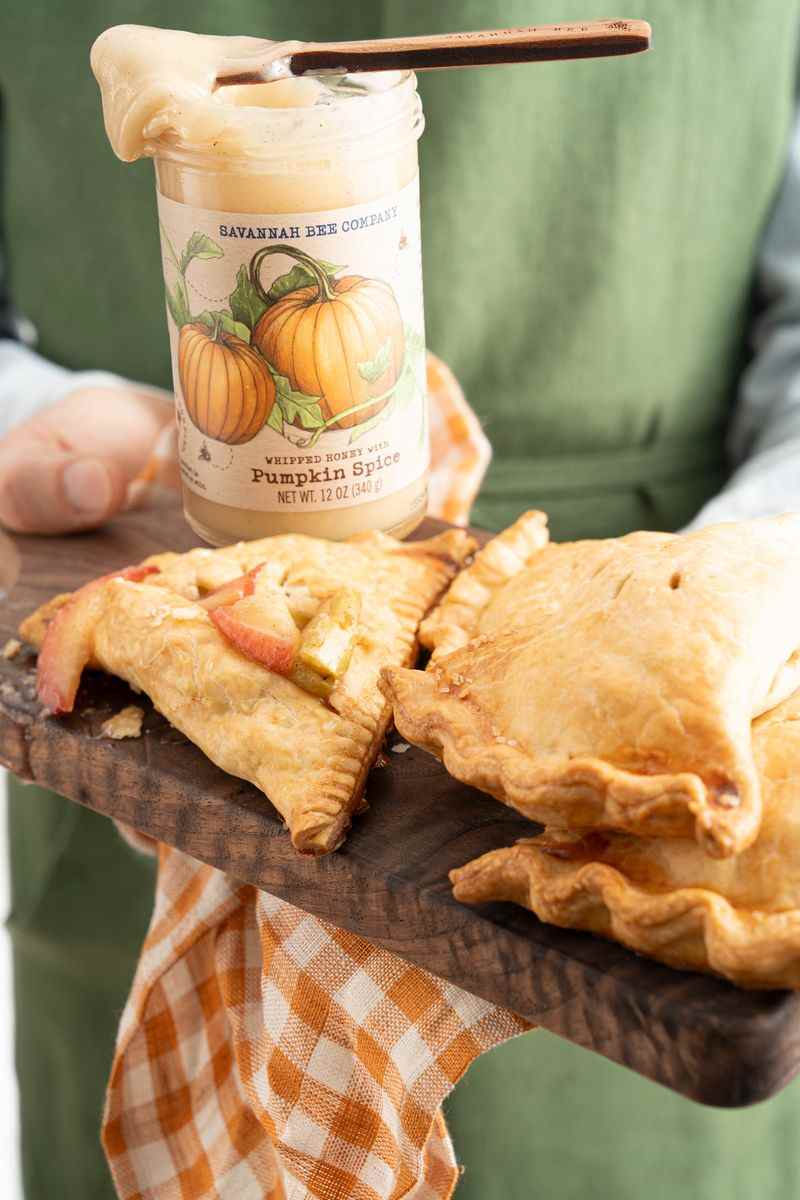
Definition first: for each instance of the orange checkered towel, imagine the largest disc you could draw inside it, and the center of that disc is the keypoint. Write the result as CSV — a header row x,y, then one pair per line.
x,y
265,1054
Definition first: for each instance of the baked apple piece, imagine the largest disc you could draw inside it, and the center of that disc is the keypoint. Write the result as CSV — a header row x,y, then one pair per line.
x,y
326,645
262,628
67,646
232,590
253,613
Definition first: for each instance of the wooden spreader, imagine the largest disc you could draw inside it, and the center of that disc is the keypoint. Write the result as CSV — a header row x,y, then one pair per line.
x,y
697,1035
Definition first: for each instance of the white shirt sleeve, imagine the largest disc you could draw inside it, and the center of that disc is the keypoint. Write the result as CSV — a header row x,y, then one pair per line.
x,y
29,383
764,441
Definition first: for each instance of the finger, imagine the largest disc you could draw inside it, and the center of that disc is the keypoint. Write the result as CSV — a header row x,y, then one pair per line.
x,y
51,491
69,467
108,423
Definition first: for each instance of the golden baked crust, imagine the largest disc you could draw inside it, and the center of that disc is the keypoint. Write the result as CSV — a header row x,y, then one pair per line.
x,y
34,627
737,917
310,758
612,684
457,618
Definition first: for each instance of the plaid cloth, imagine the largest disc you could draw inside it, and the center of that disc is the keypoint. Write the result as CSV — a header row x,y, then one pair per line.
x,y
265,1054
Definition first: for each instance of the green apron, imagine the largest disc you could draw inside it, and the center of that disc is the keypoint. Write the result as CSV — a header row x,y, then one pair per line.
x,y
590,235
81,901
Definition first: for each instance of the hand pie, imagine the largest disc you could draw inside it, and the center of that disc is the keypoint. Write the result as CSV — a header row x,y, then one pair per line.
x,y
738,917
265,654
468,605
611,685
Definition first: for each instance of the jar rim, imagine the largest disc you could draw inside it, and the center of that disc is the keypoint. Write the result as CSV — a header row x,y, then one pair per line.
x,y
260,135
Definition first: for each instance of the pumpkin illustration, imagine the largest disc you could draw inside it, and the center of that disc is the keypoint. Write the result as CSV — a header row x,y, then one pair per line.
x,y
339,339
227,387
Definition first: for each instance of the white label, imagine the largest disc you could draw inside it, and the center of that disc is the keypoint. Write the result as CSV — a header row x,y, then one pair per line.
x,y
298,352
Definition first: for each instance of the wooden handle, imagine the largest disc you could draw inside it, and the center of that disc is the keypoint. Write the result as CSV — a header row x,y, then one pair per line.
x,y
538,43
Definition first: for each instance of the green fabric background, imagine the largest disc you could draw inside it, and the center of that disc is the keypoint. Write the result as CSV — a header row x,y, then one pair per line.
x,y
81,900
589,229
589,240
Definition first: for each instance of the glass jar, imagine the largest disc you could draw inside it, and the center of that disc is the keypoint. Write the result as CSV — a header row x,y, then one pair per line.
x,y
292,262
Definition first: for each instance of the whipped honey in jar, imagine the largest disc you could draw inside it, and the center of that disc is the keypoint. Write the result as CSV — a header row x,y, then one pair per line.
x,y
289,222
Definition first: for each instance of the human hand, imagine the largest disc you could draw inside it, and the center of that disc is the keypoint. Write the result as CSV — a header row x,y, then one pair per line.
x,y
70,466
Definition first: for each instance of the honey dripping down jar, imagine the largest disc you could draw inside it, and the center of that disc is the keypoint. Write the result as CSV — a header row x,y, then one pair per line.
x,y
290,235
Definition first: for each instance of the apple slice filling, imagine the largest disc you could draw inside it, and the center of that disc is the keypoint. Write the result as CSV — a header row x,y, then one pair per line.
x,y
232,591
326,644
67,646
255,615
252,613
261,627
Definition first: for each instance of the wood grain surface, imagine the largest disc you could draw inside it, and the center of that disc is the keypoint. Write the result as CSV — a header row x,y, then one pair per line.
x,y
697,1035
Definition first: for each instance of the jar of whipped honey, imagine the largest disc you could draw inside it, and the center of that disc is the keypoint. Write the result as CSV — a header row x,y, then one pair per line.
x,y
289,222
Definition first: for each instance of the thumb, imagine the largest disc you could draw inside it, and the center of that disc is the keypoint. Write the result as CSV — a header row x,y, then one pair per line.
x,y
43,490
69,467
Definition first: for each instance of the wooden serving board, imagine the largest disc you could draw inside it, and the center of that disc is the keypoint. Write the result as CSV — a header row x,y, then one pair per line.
x,y
695,1034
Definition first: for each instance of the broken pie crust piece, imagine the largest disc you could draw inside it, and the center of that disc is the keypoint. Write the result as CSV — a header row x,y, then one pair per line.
x,y
458,617
612,684
736,917
309,756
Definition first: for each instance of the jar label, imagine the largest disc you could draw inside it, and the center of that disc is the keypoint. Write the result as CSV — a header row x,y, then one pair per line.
x,y
298,352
